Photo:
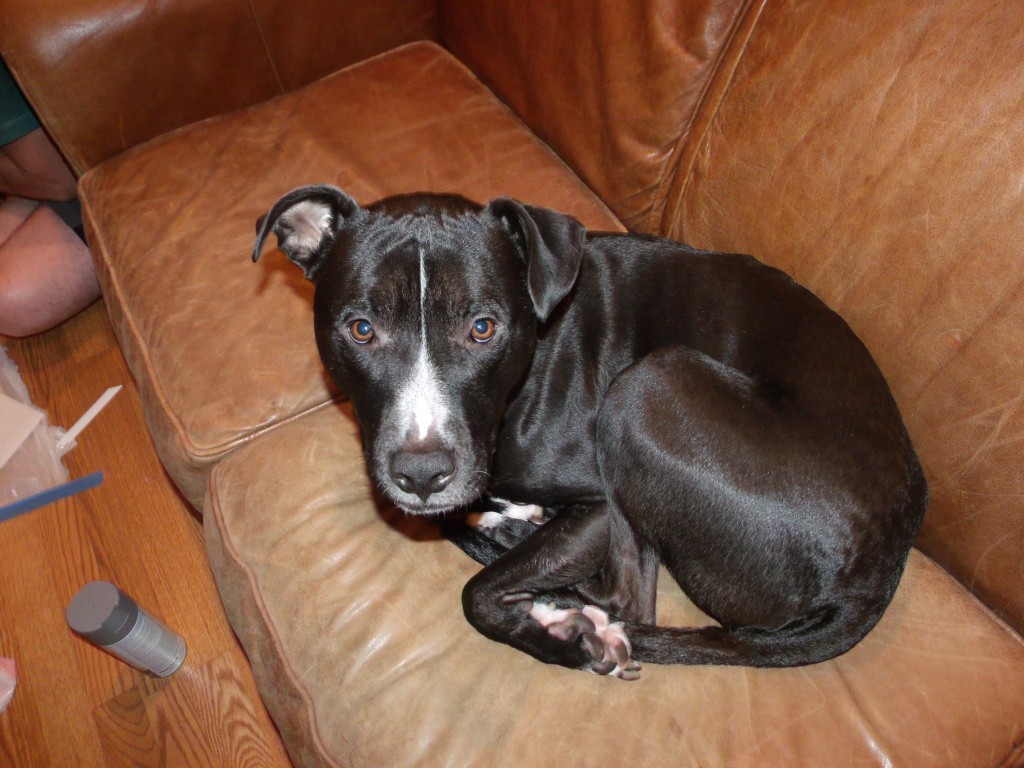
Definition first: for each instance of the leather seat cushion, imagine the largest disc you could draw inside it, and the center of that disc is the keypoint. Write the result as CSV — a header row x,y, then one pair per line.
x,y
223,351
351,616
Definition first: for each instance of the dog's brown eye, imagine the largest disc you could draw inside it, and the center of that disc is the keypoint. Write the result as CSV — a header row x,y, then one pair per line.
x,y
483,330
361,331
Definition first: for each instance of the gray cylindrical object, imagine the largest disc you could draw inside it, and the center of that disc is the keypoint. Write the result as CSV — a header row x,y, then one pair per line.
x,y
106,616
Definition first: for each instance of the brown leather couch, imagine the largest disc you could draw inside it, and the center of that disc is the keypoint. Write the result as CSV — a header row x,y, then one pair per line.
x,y
873,150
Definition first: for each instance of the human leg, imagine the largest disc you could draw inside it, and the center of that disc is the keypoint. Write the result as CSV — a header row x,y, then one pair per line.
x,y
46,271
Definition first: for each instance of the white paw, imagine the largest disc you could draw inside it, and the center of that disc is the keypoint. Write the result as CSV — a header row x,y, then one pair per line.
x,y
549,615
485,520
529,512
604,640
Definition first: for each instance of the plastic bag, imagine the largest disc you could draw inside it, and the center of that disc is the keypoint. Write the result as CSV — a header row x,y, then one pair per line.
x,y
36,465
8,680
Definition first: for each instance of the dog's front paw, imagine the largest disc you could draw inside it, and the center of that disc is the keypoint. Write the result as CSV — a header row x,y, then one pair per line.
x,y
531,513
604,641
509,524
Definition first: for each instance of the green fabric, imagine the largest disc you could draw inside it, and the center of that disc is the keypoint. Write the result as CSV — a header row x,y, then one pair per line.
x,y
16,116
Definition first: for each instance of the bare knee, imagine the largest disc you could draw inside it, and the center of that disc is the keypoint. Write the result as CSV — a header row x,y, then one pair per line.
x,y
24,312
19,313
46,276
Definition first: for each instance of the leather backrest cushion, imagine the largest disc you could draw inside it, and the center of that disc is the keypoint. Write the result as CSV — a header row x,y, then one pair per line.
x,y
109,74
874,151
611,86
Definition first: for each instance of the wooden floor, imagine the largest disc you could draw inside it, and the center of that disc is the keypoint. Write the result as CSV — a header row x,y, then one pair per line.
x,y
74,704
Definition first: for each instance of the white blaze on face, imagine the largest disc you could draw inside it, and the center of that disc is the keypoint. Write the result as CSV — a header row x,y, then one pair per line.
x,y
421,405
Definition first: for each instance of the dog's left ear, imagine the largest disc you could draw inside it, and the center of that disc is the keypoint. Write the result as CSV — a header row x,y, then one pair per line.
x,y
306,221
551,244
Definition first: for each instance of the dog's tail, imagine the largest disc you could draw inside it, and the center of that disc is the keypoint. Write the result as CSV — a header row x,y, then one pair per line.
x,y
827,633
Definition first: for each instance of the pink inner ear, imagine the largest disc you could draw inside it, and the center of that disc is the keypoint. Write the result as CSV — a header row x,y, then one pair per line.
x,y
306,223
8,666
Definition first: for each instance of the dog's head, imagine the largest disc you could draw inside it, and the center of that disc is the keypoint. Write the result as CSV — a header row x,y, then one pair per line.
x,y
425,312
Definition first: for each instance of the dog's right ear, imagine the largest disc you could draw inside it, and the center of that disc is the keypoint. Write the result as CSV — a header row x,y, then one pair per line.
x,y
305,220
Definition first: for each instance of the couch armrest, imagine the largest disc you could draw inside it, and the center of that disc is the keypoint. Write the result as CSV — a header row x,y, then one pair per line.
x,y
105,75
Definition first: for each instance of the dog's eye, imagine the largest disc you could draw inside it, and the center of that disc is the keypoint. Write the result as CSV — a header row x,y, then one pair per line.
x,y
361,331
483,330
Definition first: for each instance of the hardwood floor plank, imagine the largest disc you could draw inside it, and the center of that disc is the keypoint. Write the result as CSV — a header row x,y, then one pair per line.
x,y
48,672
21,729
197,728
127,733
75,705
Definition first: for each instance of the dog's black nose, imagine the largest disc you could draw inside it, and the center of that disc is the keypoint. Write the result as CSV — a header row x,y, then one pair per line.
x,y
422,473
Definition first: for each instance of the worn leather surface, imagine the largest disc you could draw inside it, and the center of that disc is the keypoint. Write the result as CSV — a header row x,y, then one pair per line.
x,y
352,619
613,87
224,350
873,151
106,75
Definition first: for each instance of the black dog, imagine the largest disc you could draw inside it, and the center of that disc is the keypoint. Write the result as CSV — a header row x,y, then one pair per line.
x,y
663,403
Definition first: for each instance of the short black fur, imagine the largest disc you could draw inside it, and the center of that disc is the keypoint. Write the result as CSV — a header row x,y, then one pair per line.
x,y
696,409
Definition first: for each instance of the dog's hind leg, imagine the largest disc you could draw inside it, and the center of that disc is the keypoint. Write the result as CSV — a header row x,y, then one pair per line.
x,y
539,596
760,506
